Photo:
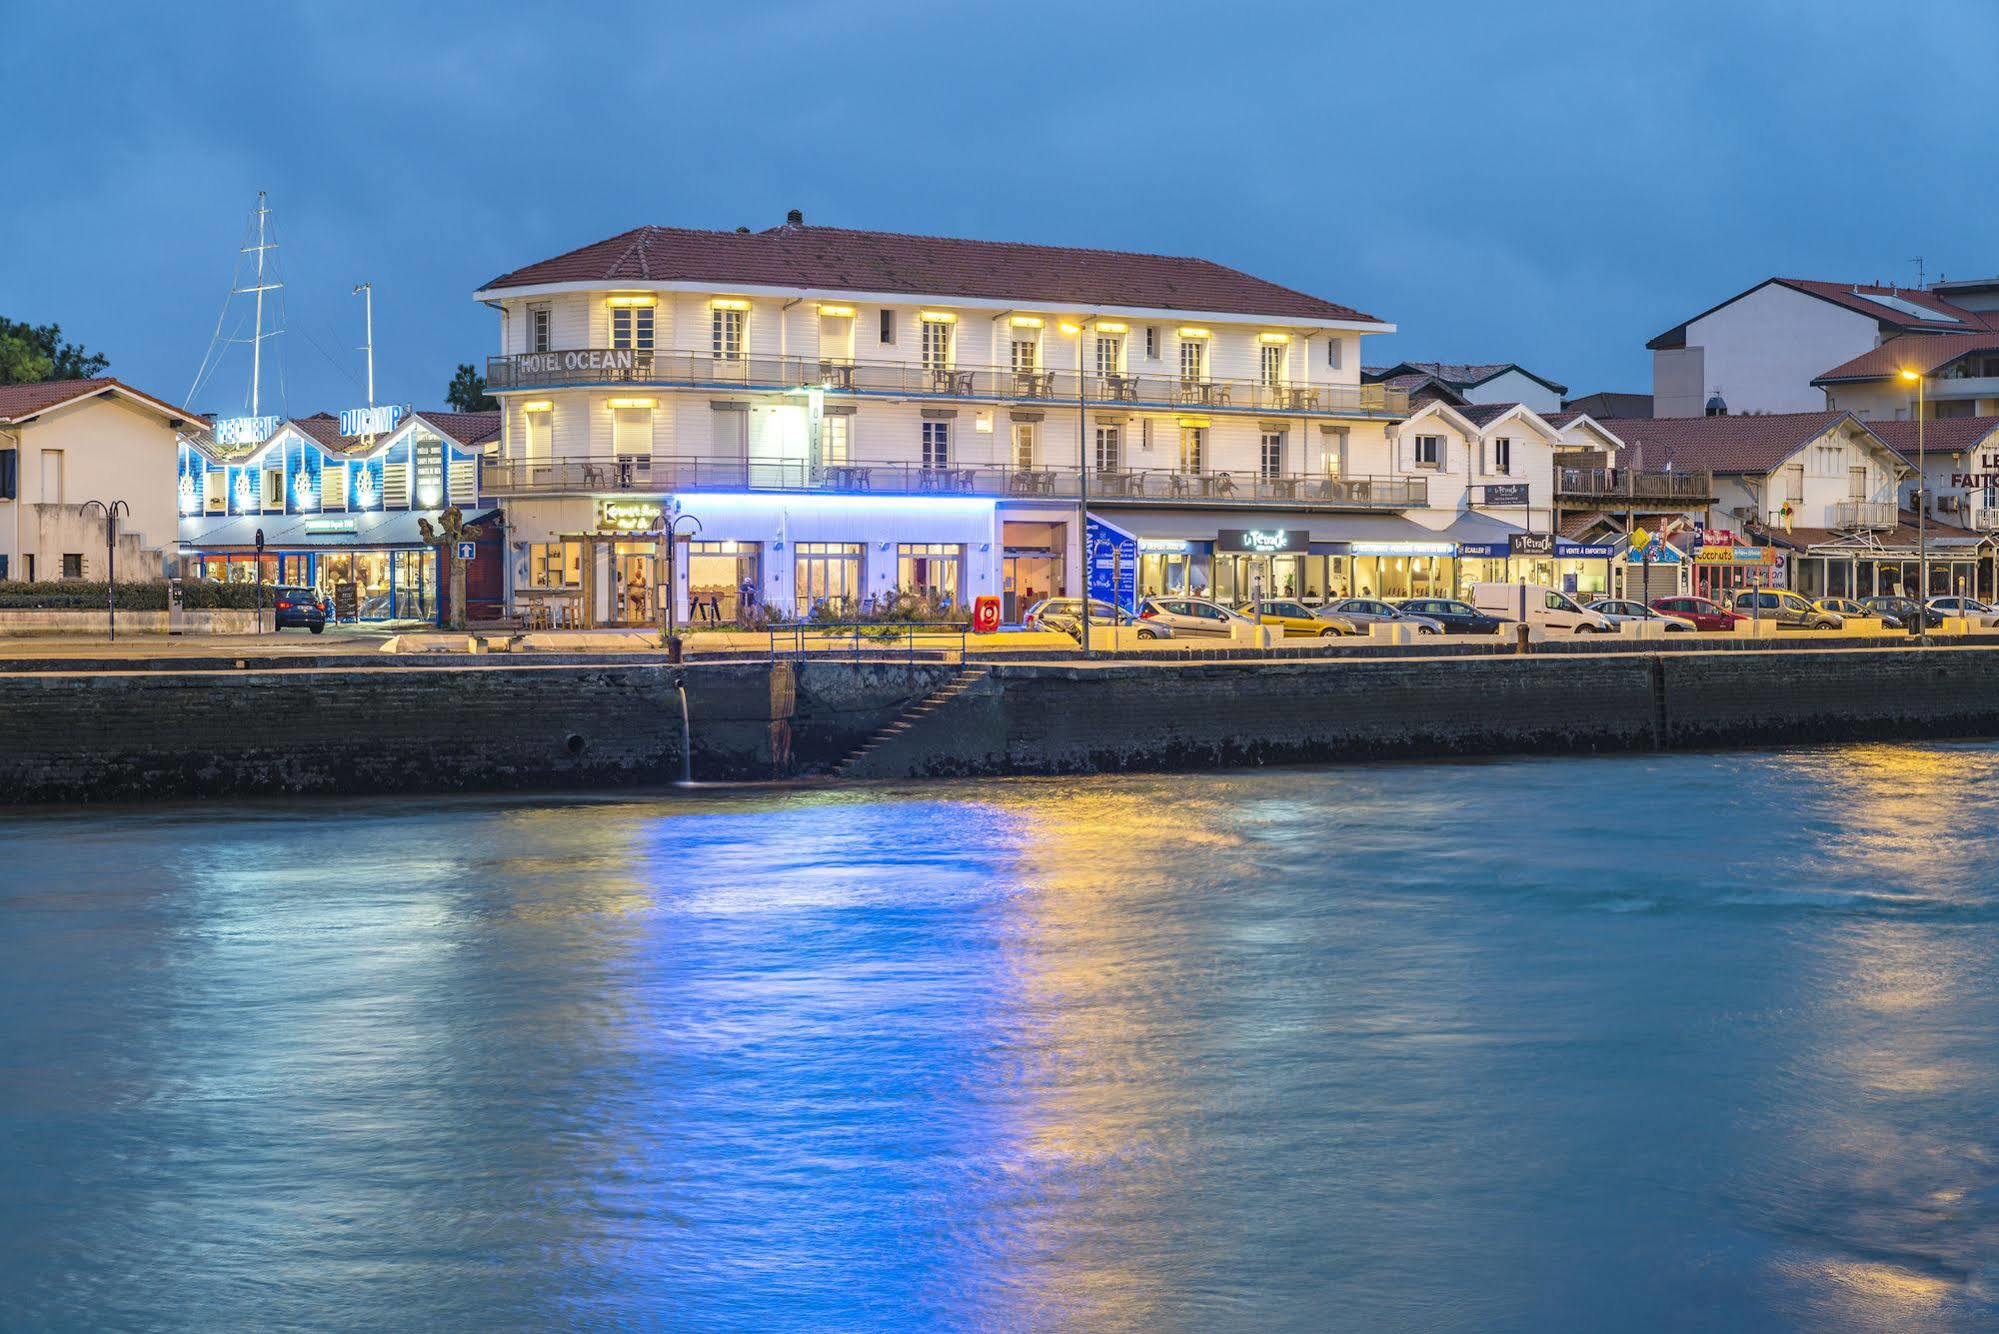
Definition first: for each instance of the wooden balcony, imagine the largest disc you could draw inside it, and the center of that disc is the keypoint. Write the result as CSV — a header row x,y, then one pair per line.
x,y
632,368
679,475
1633,488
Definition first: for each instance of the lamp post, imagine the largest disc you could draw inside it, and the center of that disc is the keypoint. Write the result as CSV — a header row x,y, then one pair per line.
x,y
111,512
1922,521
670,596
1075,331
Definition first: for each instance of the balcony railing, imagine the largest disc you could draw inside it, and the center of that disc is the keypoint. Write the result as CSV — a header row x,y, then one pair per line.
x,y
1229,488
701,370
1859,514
1633,484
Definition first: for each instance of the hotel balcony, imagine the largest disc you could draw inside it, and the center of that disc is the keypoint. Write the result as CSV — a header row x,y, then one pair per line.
x,y
1245,489
1633,488
628,368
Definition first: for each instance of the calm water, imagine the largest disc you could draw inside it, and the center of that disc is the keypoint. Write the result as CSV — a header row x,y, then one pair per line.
x,y
1704,1040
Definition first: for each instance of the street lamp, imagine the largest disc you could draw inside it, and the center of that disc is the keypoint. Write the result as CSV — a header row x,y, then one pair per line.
x,y
670,595
111,513
1075,331
1922,520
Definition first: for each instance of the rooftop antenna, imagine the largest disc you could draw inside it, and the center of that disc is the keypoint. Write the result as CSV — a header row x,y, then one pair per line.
x,y
366,291
1921,274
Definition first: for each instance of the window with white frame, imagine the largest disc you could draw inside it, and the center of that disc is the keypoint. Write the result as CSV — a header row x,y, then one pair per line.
x,y
1429,451
930,567
631,432
538,328
887,327
1333,353
935,348
936,444
1108,448
538,433
1026,348
1152,342
1335,446
1193,444
1270,455
726,333
836,440
555,564
1270,364
631,326
1023,445
1110,354
1193,360
1502,455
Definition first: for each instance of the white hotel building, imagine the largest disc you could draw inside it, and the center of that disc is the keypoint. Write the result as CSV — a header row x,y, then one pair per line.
x,y
851,413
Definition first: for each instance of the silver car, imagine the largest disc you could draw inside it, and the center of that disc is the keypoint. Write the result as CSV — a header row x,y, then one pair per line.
x,y
1971,609
1783,607
1619,610
1363,612
1192,616
1070,622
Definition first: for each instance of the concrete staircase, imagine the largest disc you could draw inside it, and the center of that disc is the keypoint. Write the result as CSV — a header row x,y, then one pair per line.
x,y
857,764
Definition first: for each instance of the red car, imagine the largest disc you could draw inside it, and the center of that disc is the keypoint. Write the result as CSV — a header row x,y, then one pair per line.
x,y
1704,614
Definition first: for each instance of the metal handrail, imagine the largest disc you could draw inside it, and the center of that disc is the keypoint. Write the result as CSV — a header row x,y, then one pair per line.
x,y
1634,483
864,636
1863,514
661,474
838,375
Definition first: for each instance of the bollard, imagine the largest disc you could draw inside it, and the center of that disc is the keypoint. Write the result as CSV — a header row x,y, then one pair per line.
x,y
673,648
1521,634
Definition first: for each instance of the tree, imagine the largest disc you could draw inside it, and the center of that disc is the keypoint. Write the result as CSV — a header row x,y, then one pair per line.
x,y
31,353
468,391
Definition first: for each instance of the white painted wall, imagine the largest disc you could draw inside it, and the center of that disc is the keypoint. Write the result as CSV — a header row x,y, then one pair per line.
x,y
111,450
1513,387
1762,352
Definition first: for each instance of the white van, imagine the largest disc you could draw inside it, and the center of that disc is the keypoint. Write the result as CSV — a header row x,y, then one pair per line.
x,y
1540,606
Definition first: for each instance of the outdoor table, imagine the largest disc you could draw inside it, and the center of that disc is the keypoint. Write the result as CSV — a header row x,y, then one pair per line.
x,y
1034,384
1301,399
1121,387
1283,488
836,375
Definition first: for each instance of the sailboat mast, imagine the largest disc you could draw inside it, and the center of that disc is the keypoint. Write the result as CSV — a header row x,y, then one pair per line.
x,y
366,291
257,341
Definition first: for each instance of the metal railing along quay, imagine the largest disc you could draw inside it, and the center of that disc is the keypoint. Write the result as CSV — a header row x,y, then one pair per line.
x,y
678,474
927,641
633,367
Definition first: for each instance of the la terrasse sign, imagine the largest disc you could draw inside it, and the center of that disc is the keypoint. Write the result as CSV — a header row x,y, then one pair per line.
x,y
1263,541
558,363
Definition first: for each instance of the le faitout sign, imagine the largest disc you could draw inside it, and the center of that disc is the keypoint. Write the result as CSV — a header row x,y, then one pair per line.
x,y
560,363
629,516
1532,544
1264,541
1983,480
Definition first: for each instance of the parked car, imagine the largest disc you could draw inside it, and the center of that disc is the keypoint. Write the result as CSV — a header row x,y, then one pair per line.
x,y
1363,612
1070,623
1853,610
1906,610
1295,618
1971,609
1784,608
1705,613
298,608
1620,611
1457,618
1192,616
1539,605
1070,607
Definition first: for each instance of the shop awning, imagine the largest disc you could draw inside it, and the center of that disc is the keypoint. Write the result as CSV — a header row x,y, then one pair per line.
x,y
1202,525
311,532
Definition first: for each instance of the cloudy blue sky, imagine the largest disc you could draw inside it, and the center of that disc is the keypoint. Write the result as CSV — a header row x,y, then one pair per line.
x,y
1549,183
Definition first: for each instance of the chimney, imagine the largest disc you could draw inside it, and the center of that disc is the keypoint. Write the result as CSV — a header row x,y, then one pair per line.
x,y
794,219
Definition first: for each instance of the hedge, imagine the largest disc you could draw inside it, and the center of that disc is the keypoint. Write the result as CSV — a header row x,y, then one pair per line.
x,y
88,595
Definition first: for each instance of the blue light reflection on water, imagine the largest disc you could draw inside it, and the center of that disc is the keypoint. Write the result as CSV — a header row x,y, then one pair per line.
x,y
1701,1039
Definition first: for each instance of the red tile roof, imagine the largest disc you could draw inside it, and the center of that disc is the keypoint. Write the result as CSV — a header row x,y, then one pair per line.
x,y
840,260
1745,444
1943,435
1943,318
18,401
464,428
1922,353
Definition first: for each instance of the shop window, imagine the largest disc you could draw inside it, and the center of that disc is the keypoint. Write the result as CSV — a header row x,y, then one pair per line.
x,y
1107,448
538,328
936,444
826,574
555,564
1429,451
933,568
631,327
726,334
1023,446
1193,446
72,565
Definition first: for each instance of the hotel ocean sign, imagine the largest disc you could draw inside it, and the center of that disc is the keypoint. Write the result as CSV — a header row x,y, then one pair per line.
x,y
556,363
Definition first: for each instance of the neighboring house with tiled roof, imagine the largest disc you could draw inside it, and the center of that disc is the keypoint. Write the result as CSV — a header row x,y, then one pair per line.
x,y
1960,458
1772,470
1960,377
64,443
1762,349
1609,405
1477,382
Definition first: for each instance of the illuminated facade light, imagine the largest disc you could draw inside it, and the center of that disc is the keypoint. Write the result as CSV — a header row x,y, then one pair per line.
x,y
538,405
1026,321
634,403
833,312
631,299
1193,331
1273,338
1112,327
729,303
1071,329
936,317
